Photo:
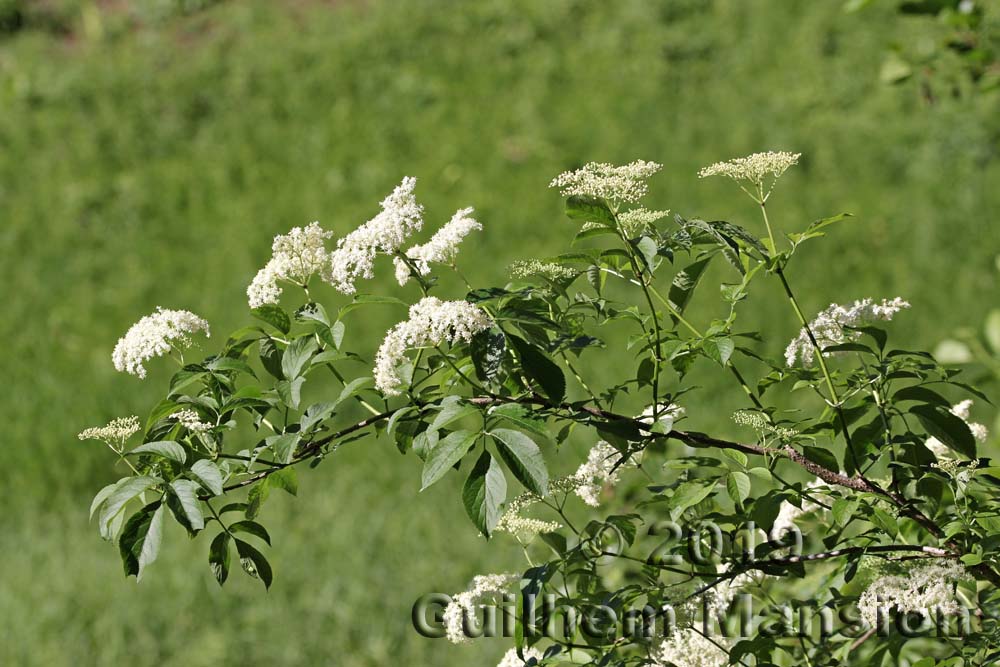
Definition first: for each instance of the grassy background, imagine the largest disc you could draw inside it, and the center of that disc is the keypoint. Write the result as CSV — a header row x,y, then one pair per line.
x,y
145,165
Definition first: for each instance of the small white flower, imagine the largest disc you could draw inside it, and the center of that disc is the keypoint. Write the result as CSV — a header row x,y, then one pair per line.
x,y
511,659
464,605
753,168
295,257
617,184
925,589
153,336
354,257
432,322
190,420
828,327
636,220
689,648
599,472
116,433
442,247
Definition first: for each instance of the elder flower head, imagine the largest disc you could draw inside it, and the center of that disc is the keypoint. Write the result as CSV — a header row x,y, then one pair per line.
x,y
600,470
512,659
828,326
191,420
687,647
295,257
442,247
354,257
116,433
153,336
753,169
521,269
462,609
623,184
432,322
925,589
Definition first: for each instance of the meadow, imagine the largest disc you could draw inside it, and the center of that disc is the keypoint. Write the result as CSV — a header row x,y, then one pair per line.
x,y
152,166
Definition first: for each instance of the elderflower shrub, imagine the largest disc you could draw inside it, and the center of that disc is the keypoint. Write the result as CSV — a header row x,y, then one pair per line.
x,y
880,462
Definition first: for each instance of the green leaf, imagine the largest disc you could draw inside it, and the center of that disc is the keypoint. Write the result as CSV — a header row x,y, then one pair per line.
x,y
285,479
270,357
843,510
487,350
297,355
720,349
484,492
521,417
451,412
140,540
283,446
218,557
920,394
685,281
251,528
689,494
885,521
290,391
352,388
209,474
125,490
274,316
590,209
523,458
186,509
168,449
256,497
363,299
103,495
947,428
253,562
738,486
314,414
447,452
541,369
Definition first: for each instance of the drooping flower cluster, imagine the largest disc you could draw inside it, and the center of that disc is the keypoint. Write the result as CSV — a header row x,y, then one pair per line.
x,y
153,336
354,257
116,433
617,184
753,168
463,606
511,659
962,411
690,648
828,327
600,470
295,257
432,322
442,247
522,269
190,420
926,589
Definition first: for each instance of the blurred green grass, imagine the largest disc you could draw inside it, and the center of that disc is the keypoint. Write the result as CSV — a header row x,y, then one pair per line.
x,y
152,167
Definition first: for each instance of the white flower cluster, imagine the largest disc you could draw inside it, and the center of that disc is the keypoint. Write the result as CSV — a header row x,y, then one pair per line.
x,y
512,522
789,512
925,589
511,659
485,587
753,168
153,336
190,420
295,257
432,322
354,257
690,648
442,247
625,183
637,219
116,433
522,269
668,414
828,327
598,472
962,411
